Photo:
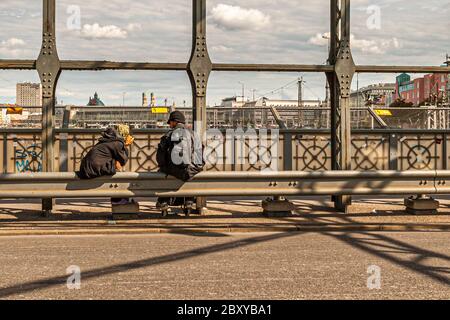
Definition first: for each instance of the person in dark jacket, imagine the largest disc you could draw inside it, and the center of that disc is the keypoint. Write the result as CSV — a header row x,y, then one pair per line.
x,y
179,154
106,157
101,159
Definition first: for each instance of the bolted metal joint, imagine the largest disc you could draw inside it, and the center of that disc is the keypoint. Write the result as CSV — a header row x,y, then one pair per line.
x,y
48,65
200,66
345,68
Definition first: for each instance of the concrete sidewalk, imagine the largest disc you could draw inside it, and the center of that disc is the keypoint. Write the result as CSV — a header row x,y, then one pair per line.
x,y
78,217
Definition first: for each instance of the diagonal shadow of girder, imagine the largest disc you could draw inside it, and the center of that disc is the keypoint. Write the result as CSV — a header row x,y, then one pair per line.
x,y
134,265
435,273
378,245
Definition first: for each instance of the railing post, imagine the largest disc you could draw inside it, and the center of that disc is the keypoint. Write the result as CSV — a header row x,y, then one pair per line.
x,y
444,151
393,151
49,68
63,142
340,87
287,151
199,69
5,153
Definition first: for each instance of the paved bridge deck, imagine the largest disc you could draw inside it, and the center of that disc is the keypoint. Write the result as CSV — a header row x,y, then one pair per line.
x,y
312,214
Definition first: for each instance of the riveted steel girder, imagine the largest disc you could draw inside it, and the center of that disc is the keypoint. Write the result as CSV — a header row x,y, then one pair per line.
x,y
199,69
199,66
99,65
49,69
340,88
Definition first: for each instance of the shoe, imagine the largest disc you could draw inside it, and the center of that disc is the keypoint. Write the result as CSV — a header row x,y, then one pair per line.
x,y
165,209
121,202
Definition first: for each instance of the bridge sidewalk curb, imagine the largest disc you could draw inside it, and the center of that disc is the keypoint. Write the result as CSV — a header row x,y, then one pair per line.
x,y
119,230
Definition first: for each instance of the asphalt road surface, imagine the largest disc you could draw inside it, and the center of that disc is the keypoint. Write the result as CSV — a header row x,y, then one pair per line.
x,y
329,265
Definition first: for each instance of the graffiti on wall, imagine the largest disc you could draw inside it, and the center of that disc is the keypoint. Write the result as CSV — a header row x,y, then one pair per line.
x,y
28,158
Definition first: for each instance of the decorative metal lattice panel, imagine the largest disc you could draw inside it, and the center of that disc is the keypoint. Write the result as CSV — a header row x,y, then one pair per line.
x,y
421,152
370,152
22,152
312,153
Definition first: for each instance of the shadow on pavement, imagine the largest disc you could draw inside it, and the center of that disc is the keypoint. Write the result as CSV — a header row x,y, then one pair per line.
x,y
393,250
100,272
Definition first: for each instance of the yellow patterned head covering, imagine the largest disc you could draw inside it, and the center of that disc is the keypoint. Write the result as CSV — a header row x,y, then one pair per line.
x,y
123,130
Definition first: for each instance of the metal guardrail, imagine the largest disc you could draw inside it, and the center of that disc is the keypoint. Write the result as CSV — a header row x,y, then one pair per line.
x,y
67,185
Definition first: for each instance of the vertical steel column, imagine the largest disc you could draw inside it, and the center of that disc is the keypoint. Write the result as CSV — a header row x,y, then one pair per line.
x,y
340,87
49,68
199,69
5,153
444,151
64,143
393,151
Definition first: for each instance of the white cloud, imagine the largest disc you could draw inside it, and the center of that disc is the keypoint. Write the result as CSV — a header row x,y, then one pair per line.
x,y
237,18
221,48
134,27
66,93
95,31
431,8
375,46
12,47
320,39
12,42
379,46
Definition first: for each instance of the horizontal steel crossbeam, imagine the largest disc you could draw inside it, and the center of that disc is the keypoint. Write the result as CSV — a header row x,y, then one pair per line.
x,y
67,185
97,65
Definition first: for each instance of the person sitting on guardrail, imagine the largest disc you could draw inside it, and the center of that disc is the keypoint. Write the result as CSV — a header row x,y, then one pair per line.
x,y
108,156
179,154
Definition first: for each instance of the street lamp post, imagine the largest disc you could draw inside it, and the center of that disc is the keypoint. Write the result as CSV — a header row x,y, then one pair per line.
x,y
243,90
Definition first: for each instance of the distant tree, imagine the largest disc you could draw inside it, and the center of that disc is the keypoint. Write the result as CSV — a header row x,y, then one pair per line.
x,y
426,102
401,103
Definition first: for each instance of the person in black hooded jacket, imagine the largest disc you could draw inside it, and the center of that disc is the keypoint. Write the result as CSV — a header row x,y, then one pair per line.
x,y
105,158
179,154
101,159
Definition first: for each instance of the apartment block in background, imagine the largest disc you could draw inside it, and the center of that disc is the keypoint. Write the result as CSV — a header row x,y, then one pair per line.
x,y
28,94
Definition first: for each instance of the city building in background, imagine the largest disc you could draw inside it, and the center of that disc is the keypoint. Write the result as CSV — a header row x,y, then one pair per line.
x,y
238,102
27,111
407,103
29,94
136,117
265,102
447,64
381,94
95,101
232,102
144,100
430,89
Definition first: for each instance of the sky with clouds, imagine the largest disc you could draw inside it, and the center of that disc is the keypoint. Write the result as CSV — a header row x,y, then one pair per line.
x,y
384,32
